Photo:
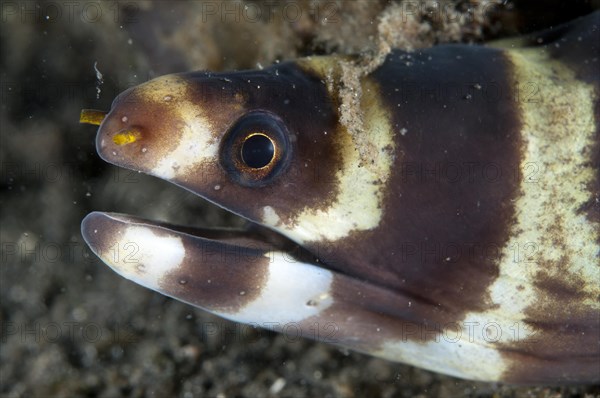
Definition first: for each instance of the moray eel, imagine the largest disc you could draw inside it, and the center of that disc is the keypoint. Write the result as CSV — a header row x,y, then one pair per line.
x,y
441,210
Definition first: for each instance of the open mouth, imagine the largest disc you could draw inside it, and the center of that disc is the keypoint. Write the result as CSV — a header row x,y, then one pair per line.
x,y
105,232
235,273
243,275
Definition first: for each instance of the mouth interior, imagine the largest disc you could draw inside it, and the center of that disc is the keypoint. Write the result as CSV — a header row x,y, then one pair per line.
x,y
253,236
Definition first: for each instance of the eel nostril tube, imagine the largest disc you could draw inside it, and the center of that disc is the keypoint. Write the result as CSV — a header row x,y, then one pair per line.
x,y
92,116
126,136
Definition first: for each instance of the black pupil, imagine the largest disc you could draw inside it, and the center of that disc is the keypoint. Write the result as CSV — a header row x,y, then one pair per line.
x,y
257,151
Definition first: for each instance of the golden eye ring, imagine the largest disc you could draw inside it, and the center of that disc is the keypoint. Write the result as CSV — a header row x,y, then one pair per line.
x,y
256,149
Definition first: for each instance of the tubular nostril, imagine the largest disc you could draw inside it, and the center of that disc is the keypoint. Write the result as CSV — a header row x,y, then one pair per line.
x,y
127,136
92,116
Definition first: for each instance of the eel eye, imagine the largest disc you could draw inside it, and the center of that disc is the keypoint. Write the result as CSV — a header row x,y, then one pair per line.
x,y
255,149
258,150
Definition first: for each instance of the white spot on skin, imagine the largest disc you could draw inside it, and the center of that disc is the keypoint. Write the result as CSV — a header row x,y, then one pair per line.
x,y
140,255
270,217
460,358
293,292
194,148
195,144
357,205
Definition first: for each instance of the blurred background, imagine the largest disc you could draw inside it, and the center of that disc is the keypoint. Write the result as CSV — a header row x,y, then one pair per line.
x,y
69,325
